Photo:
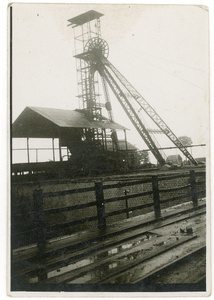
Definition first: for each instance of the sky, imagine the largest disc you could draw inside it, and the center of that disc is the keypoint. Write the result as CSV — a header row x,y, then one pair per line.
x,y
161,49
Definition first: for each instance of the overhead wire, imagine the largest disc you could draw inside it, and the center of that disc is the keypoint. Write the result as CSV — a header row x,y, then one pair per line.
x,y
171,73
175,75
174,62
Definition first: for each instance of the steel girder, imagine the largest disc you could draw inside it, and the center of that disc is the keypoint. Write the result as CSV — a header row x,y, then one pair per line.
x,y
150,111
130,111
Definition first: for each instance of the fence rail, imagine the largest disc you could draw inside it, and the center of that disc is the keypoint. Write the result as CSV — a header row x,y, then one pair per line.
x,y
43,229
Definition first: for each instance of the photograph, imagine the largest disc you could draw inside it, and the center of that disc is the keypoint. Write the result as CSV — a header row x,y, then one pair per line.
x,y
109,143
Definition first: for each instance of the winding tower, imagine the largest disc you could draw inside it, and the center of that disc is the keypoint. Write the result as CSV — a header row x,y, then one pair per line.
x,y
87,39
91,53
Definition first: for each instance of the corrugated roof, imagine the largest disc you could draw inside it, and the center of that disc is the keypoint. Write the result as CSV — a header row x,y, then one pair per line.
x,y
45,122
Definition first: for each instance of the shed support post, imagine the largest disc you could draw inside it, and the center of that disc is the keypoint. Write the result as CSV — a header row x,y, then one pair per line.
x,y
53,149
36,155
60,150
28,154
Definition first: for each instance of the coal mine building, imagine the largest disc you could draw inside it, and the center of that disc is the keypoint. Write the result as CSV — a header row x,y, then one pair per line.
x,y
75,134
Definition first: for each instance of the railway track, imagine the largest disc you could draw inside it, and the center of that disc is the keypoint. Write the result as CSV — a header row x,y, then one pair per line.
x,y
182,270
142,249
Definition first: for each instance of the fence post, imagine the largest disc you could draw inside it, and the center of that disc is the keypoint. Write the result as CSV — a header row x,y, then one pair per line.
x,y
127,205
156,196
193,188
41,230
100,205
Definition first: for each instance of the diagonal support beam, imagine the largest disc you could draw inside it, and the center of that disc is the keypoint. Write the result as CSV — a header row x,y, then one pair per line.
x,y
130,111
150,112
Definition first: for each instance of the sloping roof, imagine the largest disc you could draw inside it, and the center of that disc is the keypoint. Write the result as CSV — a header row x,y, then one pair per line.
x,y
46,122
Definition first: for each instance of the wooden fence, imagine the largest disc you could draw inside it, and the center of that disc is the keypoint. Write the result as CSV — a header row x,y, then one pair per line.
x,y
43,231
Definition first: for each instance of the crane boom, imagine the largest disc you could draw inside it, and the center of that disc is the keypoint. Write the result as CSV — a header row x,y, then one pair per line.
x,y
150,111
130,111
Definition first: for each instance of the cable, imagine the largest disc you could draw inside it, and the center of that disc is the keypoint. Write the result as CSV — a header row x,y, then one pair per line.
x,y
193,84
176,76
174,62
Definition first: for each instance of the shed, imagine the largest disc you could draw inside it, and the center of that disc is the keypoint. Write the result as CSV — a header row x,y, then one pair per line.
x,y
39,122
